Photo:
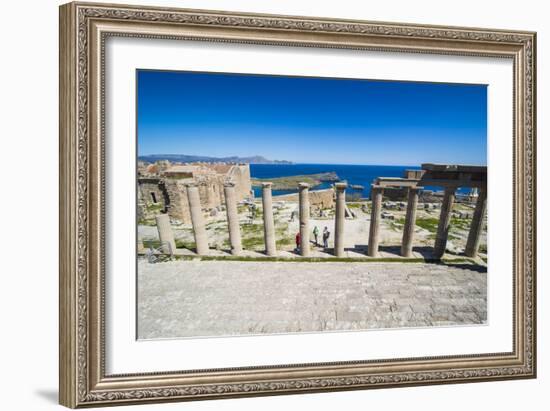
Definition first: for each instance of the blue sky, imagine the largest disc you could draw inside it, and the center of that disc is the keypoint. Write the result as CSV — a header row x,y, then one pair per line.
x,y
311,120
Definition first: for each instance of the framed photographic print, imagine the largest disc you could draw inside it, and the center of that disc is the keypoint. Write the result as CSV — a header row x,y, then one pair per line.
x,y
260,204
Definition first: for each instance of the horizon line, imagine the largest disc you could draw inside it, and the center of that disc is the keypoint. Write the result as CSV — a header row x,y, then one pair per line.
x,y
290,162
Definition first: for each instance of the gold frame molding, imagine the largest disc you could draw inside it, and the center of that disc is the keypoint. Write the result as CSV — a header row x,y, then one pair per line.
x,y
83,30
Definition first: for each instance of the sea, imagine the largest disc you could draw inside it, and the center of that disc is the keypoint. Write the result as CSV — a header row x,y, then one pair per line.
x,y
362,175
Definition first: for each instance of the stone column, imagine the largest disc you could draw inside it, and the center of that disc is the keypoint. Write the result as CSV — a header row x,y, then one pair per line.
x,y
232,218
197,219
472,245
269,226
410,220
376,196
166,235
444,222
304,219
340,218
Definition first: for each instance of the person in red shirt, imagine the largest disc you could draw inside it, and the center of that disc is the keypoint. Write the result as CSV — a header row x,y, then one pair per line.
x,y
297,241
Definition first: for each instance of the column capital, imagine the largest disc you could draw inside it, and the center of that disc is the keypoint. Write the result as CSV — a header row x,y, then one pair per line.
x,y
303,186
191,184
341,186
266,184
229,184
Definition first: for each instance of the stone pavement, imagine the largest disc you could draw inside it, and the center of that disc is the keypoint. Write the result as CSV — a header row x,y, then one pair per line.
x,y
218,298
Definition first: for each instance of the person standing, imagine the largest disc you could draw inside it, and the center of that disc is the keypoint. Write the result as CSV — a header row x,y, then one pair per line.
x,y
316,235
326,235
298,242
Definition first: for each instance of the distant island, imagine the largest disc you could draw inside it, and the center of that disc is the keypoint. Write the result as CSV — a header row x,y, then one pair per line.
x,y
184,158
291,182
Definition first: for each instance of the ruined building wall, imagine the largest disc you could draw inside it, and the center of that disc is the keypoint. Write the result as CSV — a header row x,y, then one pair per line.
x,y
170,190
179,205
149,189
210,190
240,175
322,198
318,199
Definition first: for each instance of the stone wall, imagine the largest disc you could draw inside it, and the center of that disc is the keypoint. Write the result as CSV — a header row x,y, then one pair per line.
x,y
396,193
240,175
170,191
210,193
318,199
179,206
211,190
151,192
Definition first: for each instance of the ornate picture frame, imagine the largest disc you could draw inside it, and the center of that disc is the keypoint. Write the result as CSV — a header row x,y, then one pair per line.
x,y
84,28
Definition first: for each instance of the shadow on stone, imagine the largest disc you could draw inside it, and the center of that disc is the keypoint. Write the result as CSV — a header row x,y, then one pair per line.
x,y
470,267
425,251
390,249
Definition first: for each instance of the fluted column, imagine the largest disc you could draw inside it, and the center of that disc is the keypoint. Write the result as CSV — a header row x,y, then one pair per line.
x,y
232,218
197,219
339,219
304,219
166,235
472,245
269,225
376,196
444,222
410,220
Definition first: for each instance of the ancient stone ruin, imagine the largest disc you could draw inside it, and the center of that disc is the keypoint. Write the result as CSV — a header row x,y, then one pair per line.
x,y
450,177
199,187
166,185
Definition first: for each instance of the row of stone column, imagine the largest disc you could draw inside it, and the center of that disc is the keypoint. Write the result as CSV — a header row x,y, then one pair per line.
x,y
340,216
474,235
201,239
476,227
199,227
166,235
410,220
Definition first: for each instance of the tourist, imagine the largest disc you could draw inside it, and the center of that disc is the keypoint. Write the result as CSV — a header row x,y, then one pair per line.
x,y
297,241
326,235
316,234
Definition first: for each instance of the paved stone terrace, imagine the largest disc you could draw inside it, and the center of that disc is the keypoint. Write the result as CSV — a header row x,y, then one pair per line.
x,y
215,298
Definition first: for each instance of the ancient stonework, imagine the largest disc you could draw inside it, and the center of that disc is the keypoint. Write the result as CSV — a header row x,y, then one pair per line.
x,y
164,184
318,199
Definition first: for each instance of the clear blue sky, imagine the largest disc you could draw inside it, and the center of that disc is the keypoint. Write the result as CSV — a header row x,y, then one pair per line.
x,y
311,120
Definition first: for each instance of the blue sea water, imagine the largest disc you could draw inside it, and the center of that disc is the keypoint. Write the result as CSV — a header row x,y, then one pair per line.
x,y
362,175
354,174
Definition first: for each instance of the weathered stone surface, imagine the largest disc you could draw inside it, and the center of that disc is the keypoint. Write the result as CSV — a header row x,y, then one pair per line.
x,y
166,235
269,225
444,222
408,230
199,228
472,245
304,219
232,218
374,231
318,199
166,185
339,219
212,298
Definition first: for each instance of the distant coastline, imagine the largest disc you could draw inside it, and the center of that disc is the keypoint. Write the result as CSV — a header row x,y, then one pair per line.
x,y
285,175
290,183
289,174
187,158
